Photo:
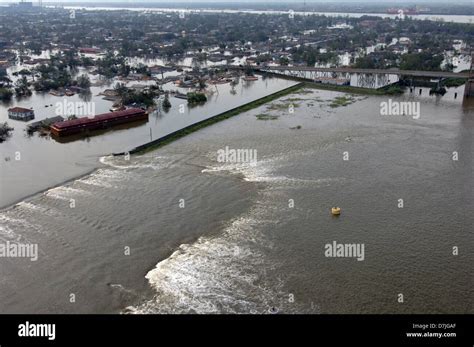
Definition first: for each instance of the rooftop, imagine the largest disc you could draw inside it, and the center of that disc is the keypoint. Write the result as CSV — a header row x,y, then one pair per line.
x,y
99,117
19,109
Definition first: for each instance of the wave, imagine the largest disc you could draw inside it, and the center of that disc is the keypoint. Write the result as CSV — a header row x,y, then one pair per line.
x,y
264,171
29,208
153,162
64,193
11,227
234,272
103,178
213,275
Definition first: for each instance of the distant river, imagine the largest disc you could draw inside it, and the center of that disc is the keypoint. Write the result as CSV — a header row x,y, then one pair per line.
x,y
446,18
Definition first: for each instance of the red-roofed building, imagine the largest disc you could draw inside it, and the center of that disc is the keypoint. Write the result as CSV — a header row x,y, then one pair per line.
x,y
20,113
100,121
89,50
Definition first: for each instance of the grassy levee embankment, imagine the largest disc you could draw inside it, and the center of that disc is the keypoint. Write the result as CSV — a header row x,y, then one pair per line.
x,y
162,141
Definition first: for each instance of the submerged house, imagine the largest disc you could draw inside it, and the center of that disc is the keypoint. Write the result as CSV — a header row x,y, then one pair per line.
x,y
45,123
20,113
100,121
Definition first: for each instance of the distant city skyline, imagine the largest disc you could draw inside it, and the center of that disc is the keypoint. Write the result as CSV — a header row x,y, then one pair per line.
x,y
413,2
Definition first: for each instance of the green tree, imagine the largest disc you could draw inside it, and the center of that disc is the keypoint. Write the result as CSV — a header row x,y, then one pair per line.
x,y
5,94
22,87
83,81
166,102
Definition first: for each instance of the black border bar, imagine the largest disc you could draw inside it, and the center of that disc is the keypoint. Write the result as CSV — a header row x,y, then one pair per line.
x,y
319,330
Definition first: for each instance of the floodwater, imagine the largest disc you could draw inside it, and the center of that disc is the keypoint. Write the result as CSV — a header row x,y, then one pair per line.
x,y
43,162
177,231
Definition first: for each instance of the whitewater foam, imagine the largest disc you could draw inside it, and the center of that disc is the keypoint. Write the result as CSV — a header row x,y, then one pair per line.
x,y
263,171
64,192
232,272
144,162
12,227
103,178
212,275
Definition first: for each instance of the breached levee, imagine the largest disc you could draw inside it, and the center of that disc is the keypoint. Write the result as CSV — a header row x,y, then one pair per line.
x,y
232,272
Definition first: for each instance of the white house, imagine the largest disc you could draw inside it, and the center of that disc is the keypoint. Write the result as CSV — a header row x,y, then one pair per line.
x,y
20,113
404,40
459,45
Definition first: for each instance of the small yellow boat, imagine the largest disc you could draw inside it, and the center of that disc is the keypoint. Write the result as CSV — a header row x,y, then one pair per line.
x,y
336,211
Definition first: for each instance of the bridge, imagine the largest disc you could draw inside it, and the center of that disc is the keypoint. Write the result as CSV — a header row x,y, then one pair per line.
x,y
369,78
347,70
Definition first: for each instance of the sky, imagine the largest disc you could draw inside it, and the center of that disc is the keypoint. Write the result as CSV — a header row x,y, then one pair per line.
x,y
253,1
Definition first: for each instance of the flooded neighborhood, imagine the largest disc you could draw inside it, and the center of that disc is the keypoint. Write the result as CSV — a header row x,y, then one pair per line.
x,y
233,158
